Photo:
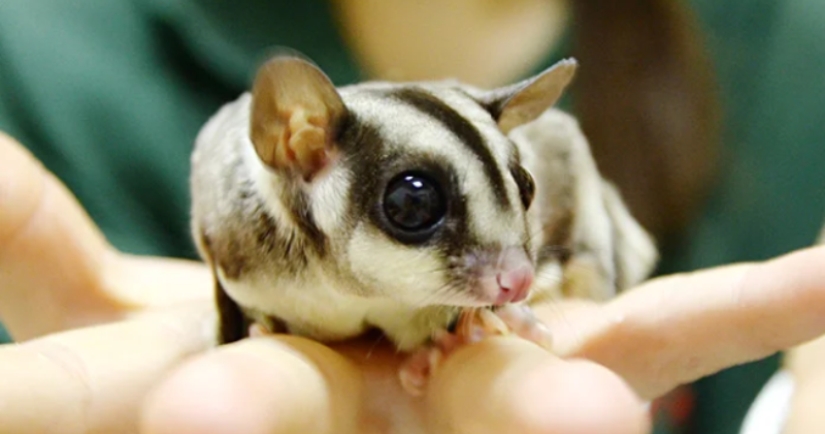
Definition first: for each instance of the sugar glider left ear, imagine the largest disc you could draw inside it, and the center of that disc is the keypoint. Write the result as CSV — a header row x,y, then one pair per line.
x,y
296,115
523,102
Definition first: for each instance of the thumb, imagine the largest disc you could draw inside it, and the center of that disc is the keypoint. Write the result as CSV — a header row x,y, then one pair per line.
x,y
95,379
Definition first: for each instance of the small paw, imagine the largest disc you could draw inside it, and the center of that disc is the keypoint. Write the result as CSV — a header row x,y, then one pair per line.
x,y
521,321
256,330
474,325
416,371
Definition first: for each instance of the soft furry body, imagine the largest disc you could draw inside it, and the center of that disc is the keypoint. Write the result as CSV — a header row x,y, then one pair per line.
x,y
312,255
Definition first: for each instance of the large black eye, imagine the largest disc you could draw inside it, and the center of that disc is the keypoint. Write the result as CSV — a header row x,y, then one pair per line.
x,y
526,185
414,203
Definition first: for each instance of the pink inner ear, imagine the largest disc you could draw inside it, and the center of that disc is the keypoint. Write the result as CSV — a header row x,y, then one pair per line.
x,y
296,112
308,147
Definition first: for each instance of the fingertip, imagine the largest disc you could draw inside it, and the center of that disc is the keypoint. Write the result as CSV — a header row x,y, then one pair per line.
x,y
508,385
255,386
21,186
205,396
576,397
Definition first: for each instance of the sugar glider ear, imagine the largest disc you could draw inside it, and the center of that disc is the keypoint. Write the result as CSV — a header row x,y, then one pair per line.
x,y
296,114
520,103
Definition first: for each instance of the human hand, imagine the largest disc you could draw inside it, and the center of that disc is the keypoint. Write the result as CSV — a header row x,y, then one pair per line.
x,y
676,329
115,343
145,319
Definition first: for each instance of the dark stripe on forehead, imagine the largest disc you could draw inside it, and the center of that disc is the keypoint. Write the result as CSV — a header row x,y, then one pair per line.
x,y
363,148
466,132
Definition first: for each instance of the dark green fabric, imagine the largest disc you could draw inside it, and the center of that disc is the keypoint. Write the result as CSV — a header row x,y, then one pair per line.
x,y
771,63
109,95
770,60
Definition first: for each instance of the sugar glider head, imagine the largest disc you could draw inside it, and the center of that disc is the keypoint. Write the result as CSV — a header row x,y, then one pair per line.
x,y
415,190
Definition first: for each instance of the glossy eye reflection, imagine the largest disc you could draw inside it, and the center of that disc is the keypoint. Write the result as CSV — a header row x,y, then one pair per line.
x,y
414,203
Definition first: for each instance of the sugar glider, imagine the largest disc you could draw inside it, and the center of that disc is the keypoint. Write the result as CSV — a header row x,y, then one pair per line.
x,y
325,212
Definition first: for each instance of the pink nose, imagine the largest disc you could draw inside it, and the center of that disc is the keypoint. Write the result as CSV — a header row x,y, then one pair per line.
x,y
514,285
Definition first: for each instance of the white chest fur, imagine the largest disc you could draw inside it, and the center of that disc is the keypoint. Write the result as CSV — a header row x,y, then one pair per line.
x,y
311,307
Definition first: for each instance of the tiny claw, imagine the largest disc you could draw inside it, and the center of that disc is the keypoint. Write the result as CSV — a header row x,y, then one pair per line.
x,y
256,330
541,336
474,325
521,321
493,324
415,372
446,341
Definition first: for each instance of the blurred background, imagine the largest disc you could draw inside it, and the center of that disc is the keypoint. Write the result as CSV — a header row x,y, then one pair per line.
x,y
707,114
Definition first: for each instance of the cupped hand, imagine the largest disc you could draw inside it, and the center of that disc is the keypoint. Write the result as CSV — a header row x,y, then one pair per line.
x,y
116,343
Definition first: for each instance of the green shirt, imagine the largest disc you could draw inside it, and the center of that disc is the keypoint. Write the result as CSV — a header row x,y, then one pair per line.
x,y
110,95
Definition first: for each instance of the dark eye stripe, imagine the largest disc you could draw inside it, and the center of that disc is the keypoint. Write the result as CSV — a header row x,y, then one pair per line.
x,y
526,185
466,132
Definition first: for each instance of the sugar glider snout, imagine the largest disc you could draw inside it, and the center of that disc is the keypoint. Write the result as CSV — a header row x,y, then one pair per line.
x,y
505,278
514,285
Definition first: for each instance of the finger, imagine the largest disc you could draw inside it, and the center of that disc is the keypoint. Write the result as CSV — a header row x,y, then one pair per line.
x,y
139,282
677,329
509,385
264,385
95,379
56,269
50,250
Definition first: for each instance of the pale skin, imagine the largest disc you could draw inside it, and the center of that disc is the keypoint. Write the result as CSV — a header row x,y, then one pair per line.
x,y
123,344
805,365
118,344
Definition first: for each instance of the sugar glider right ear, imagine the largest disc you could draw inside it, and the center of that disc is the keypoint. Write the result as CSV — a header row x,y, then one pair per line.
x,y
523,102
296,114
